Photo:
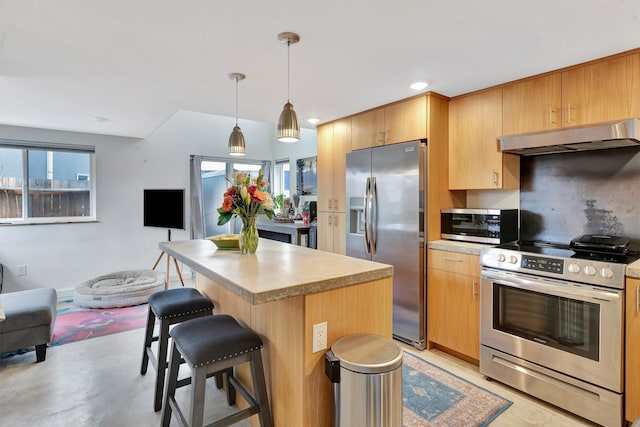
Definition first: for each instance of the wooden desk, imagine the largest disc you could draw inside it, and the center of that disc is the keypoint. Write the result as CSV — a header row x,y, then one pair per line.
x,y
280,292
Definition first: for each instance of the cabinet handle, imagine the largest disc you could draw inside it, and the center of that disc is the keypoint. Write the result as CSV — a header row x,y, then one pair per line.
x,y
637,298
453,259
335,205
335,221
568,113
495,177
330,223
386,136
330,204
475,289
551,122
380,138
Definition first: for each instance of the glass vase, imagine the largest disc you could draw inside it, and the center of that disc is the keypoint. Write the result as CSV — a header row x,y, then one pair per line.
x,y
248,236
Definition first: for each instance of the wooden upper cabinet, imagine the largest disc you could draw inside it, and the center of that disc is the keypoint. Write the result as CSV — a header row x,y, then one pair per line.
x,y
406,120
334,142
601,92
399,122
325,167
532,105
475,161
367,129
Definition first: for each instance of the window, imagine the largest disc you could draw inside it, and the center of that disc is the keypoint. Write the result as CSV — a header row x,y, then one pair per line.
x,y
58,181
281,178
212,175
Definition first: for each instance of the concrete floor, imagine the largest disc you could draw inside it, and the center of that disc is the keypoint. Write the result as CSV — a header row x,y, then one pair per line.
x,y
97,382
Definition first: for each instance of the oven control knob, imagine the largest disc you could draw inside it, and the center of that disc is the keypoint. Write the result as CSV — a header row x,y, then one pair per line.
x,y
500,258
590,270
606,273
513,259
574,268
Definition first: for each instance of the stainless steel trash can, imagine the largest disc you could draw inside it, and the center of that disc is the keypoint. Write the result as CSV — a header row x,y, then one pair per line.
x,y
366,370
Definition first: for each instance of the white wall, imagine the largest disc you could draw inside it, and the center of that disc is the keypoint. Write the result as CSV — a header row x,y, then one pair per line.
x,y
64,255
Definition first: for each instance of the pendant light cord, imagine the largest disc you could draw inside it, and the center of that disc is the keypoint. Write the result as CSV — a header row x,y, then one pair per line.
x,y
288,69
236,101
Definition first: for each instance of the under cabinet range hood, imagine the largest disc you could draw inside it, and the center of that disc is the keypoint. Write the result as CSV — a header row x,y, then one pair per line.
x,y
616,134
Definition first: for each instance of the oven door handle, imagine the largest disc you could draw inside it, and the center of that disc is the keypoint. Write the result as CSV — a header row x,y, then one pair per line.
x,y
553,287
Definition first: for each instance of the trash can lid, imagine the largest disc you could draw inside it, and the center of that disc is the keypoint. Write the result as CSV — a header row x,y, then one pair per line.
x,y
367,353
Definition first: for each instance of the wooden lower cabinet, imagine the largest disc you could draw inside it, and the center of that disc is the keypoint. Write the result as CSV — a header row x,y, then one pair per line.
x,y
632,351
332,232
453,303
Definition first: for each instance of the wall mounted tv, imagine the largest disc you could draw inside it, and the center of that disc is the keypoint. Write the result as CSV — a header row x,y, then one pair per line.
x,y
164,208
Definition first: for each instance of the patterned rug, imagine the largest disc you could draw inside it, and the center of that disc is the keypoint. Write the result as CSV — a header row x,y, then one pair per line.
x,y
435,397
75,323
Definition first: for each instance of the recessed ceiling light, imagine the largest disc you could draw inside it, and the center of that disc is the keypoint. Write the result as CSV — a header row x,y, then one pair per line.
x,y
313,120
98,119
419,85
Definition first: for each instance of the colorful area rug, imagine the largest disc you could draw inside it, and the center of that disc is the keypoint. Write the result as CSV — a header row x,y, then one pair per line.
x,y
75,323
435,397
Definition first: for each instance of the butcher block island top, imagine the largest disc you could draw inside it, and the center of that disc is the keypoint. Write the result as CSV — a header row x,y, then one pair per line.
x,y
281,292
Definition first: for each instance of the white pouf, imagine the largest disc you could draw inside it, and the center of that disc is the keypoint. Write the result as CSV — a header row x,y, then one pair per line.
x,y
119,289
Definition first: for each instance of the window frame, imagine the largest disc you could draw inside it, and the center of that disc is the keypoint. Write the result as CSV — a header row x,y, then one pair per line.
x,y
25,147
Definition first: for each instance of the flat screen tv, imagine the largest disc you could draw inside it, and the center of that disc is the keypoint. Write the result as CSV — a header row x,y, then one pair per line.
x,y
164,208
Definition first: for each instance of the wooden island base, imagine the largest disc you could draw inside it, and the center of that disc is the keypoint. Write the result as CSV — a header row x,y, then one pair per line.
x,y
300,394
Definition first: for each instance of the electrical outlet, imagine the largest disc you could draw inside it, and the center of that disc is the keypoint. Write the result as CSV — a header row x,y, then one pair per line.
x,y
22,270
319,337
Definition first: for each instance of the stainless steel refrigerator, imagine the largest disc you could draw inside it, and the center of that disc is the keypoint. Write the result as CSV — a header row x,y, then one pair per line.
x,y
386,222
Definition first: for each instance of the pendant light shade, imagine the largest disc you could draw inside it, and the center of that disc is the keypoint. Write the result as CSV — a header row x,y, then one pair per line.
x,y
237,146
288,128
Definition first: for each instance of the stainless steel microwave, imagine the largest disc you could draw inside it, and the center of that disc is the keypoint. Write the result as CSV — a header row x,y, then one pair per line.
x,y
494,226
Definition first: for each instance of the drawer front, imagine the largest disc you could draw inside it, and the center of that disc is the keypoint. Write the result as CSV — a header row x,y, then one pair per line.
x,y
454,262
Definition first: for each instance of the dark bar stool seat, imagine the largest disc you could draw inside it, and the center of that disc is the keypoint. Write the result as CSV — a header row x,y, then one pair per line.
x,y
208,345
169,307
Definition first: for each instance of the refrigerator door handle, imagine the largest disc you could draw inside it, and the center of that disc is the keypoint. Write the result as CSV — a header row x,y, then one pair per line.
x,y
374,214
367,190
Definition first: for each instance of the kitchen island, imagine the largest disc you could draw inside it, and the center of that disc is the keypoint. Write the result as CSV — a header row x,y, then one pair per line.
x,y
280,292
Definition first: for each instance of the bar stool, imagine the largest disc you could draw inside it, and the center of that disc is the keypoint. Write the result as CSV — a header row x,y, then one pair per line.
x,y
170,307
211,344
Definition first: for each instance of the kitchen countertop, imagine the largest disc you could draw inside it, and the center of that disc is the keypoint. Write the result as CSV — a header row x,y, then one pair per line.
x,y
633,269
276,271
456,246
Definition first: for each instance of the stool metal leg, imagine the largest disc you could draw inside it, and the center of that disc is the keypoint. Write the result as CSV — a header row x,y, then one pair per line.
x,y
163,344
198,383
170,389
148,338
260,389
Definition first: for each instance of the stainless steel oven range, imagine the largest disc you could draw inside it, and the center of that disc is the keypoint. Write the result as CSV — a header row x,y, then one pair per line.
x,y
551,324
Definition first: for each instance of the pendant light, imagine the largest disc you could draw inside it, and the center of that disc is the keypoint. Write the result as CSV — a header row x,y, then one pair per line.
x,y
288,129
237,146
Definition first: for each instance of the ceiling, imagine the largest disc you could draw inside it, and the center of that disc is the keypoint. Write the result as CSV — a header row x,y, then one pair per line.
x,y
64,64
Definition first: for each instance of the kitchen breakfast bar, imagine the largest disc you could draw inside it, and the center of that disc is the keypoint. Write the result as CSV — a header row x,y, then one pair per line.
x,y
280,292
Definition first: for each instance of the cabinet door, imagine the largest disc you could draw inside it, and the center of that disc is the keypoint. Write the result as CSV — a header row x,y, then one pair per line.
x,y
325,168
632,350
339,233
406,120
367,129
453,302
341,146
475,122
532,105
454,312
325,231
602,92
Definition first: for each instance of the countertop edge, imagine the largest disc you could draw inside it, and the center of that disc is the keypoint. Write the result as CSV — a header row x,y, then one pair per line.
x,y
307,288
456,246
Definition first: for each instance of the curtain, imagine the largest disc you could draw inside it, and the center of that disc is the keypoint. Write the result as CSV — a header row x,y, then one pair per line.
x,y
197,209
